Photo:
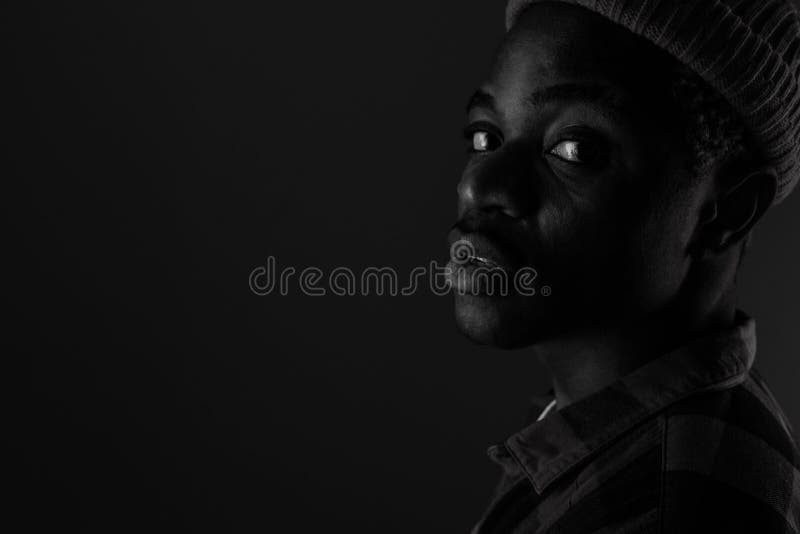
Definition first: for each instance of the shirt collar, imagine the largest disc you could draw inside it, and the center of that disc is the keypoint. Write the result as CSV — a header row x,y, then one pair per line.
x,y
548,448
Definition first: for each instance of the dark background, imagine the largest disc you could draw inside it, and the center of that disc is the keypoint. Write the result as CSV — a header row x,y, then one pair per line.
x,y
158,154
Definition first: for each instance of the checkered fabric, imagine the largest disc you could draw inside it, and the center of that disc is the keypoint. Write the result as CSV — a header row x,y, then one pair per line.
x,y
690,442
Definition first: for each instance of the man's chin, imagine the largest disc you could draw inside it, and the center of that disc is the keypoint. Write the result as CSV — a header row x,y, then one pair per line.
x,y
505,323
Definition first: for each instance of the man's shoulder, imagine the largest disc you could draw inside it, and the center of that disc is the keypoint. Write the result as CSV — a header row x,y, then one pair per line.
x,y
723,425
730,461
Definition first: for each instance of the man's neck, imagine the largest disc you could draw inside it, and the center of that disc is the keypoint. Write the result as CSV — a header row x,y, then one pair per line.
x,y
585,362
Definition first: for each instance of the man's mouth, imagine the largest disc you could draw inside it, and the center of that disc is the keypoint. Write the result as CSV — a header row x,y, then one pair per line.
x,y
478,250
483,261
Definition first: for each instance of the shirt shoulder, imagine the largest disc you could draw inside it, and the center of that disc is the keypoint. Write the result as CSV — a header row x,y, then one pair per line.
x,y
730,463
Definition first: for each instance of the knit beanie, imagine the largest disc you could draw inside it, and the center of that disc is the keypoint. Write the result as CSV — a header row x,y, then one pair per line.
x,y
747,50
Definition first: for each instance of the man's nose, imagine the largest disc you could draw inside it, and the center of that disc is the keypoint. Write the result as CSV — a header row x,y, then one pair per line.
x,y
500,181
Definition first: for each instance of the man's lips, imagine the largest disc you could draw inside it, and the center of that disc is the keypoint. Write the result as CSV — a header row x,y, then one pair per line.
x,y
479,250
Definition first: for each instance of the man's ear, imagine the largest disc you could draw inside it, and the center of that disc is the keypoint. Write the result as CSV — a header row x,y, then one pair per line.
x,y
739,204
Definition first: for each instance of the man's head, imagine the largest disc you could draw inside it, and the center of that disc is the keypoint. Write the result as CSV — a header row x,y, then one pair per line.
x,y
600,161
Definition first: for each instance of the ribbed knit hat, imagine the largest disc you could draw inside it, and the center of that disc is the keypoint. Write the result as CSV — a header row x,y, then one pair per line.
x,y
748,50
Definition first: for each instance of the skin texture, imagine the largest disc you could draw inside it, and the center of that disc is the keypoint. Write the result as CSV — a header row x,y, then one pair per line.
x,y
577,170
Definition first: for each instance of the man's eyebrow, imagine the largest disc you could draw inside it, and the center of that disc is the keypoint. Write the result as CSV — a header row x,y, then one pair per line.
x,y
595,93
582,92
480,99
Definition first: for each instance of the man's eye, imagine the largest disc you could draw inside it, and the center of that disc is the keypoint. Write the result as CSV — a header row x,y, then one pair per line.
x,y
481,140
569,151
578,152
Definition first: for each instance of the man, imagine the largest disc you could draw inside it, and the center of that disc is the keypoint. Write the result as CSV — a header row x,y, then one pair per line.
x,y
625,150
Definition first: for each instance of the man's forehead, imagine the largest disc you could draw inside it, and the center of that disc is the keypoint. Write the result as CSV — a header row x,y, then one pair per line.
x,y
558,44
605,95
573,41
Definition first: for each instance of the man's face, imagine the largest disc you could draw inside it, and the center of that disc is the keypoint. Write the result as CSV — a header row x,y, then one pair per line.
x,y
576,171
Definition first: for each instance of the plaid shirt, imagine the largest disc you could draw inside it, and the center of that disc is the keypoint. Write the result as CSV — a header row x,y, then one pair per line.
x,y
690,442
